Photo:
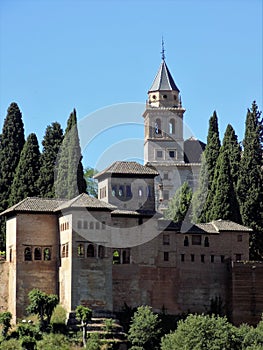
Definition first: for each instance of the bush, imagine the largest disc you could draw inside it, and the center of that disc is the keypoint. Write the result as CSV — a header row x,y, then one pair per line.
x,y
93,342
58,320
12,344
54,342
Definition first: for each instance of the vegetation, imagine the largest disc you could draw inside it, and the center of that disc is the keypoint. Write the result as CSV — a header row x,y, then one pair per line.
x,y
5,321
27,172
51,145
83,314
250,181
69,177
42,305
178,206
92,185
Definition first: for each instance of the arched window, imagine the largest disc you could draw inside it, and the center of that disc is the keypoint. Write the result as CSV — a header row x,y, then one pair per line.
x,y
80,250
47,254
126,257
121,191
171,126
28,254
37,254
116,257
63,251
140,192
206,242
90,251
158,127
186,241
101,252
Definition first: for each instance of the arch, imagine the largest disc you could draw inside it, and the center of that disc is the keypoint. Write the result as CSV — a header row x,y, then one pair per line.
x,y
171,126
158,126
37,254
80,250
28,254
47,254
206,243
90,251
101,251
116,257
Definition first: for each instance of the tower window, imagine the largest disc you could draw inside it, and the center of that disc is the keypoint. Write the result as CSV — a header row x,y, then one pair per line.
x,y
182,257
196,240
192,257
158,128
202,258
121,192
28,254
140,192
172,153
101,251
171,126
206,242
80,250
166,195
113,191
90,251
166,239
165,256
186,241
116,257
128,191
47,254
37,254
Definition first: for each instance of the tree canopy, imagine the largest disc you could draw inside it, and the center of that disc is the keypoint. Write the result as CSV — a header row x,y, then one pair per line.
x,y
180,203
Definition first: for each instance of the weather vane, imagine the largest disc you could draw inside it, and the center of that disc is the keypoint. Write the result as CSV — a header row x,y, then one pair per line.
x,y
163,50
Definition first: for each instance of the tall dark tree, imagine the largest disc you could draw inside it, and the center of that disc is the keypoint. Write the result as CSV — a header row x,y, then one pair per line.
x,y
51,145
201,199
223,196
224,200
11,144
178,206
69,179
27,172
250,182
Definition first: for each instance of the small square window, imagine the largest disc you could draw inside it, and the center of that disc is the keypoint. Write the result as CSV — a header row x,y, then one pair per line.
x,y
172,153
166,256
239,238
159,154
166,239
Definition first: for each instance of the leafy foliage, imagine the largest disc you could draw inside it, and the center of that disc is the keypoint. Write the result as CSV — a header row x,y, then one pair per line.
x,y
42,304
54,342
83,314
5,321
92,185
27,172
179,204
144,329
51,145
69,177
250,181
11,144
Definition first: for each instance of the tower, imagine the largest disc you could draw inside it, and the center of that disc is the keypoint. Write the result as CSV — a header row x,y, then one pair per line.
x,y
163,137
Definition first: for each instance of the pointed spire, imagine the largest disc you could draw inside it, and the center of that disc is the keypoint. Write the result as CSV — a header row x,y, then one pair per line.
x,y
163,50
164,80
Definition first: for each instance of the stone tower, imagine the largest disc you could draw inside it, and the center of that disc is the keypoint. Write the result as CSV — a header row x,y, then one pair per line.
x,y
163,137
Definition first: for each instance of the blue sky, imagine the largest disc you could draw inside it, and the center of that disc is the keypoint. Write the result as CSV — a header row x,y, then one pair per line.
x,y
59,55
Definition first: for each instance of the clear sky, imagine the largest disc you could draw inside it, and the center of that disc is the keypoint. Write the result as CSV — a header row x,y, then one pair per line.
x,y
58,55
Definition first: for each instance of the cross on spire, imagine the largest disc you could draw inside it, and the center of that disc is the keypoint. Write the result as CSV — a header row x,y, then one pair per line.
x,y
163,50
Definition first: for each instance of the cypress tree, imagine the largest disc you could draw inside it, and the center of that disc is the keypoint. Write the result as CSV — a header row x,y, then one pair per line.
x,y
224,200
249,185
27,172
11,144
69,178
201,199
51,144
231,149
178,206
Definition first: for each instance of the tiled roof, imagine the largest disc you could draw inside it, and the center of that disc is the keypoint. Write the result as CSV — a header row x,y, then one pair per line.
x,y
44,205
163,80
85,201
125,212
127,168
221,226
35,204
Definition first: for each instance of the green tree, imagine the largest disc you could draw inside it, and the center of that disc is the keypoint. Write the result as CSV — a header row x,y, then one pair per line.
x,y
11,144
92,185
5,321
144,330
27,172
250,182
69,175
42,304
83,314
179,204
51,145
199,332
201,198
222,194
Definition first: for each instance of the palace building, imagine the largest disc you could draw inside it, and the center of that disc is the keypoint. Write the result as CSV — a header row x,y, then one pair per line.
x,y
118,249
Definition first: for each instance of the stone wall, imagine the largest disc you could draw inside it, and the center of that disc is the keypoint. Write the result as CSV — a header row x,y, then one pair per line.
x,y
3,286
247,292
